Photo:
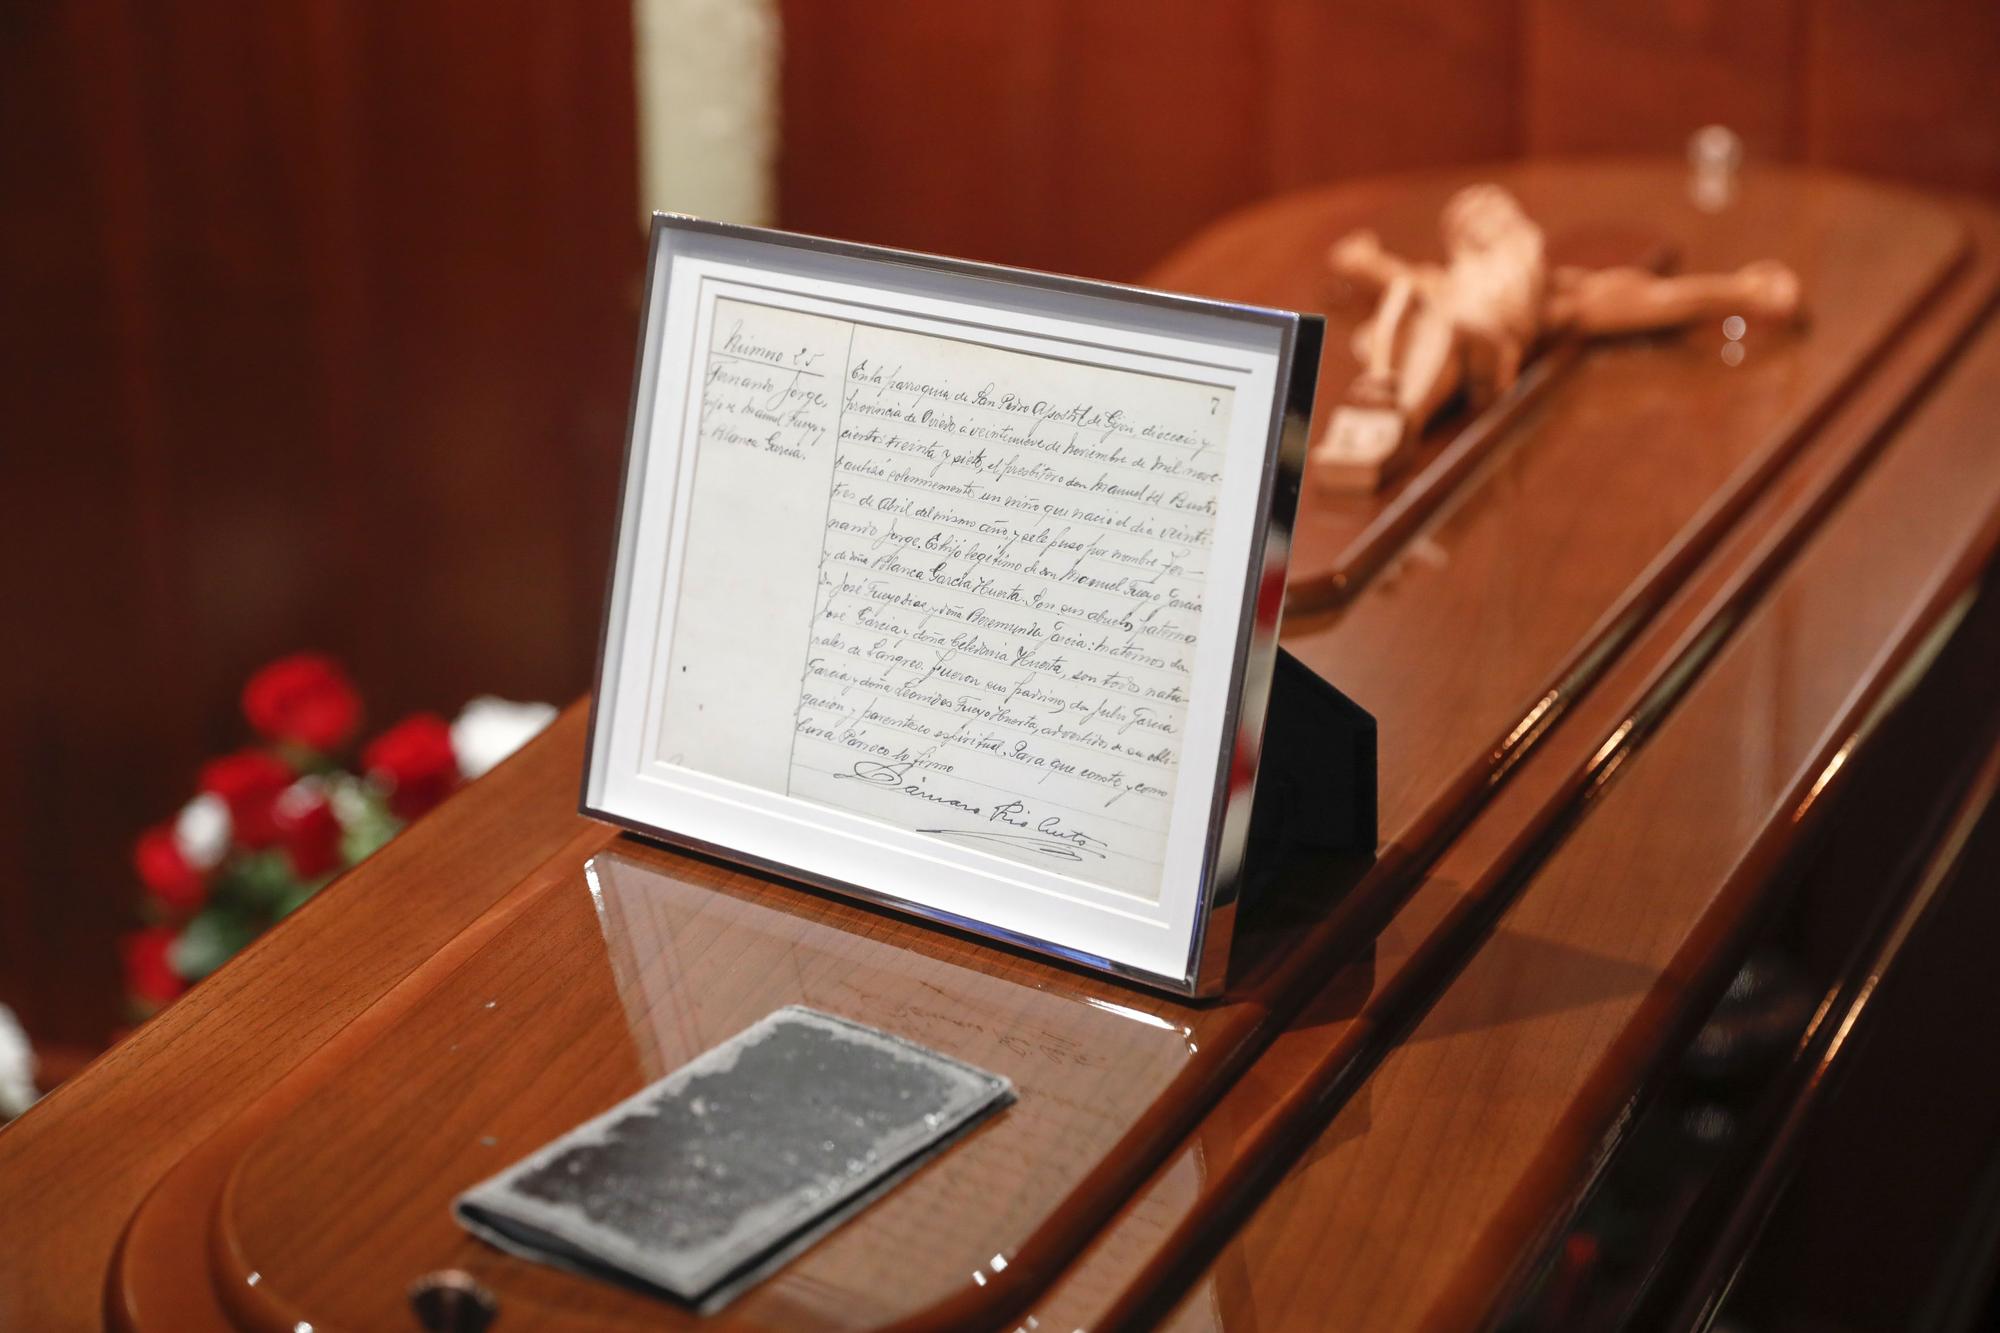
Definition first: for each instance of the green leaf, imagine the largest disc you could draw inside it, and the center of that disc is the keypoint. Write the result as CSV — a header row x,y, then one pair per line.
x,y
264,879
365,821
211,939
294,901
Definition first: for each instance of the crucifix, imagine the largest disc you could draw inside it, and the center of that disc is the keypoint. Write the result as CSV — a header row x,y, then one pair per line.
x,y
1464,327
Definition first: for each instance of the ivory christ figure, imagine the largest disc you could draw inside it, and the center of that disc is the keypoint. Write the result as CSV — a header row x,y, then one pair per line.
x,y
1466,326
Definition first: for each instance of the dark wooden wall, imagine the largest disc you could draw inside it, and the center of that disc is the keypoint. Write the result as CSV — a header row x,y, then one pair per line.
x,y
317,325
316,315
1092,136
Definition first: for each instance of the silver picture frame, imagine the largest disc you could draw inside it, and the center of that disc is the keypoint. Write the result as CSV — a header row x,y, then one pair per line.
x,y
1183,947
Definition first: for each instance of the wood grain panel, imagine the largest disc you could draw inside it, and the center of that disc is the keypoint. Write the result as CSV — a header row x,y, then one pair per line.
x,y
1084,137
1358,89
88,537
1422,1191
923,125
318,335
1190,1202
1816,1260
1905,91
1159,102
1638,75
1090,137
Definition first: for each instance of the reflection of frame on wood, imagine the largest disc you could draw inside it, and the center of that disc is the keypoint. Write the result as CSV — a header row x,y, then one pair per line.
x,y
956,588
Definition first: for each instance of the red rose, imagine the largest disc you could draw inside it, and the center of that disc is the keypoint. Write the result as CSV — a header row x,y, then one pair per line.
x,y
176,885
414,762
249,782
148,974
305,699
308,830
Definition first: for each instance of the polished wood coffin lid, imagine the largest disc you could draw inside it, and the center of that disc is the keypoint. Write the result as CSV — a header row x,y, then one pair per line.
x,y
1662,556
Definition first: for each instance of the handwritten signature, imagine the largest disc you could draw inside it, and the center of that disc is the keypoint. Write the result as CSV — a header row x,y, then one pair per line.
x,y
1062,844
1008,824
1020,829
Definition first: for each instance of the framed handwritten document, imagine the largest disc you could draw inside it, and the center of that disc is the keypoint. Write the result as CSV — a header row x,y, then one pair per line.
x,y
953,587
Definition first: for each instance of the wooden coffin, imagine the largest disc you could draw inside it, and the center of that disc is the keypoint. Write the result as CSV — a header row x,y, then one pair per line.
x,y
1677,663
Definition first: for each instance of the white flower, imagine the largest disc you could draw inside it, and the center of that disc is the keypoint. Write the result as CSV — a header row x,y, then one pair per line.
x,y
490,729
299,799
17,1067
349,796
202,831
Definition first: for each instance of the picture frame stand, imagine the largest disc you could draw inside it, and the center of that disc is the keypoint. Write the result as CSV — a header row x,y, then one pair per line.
x,y
1316,781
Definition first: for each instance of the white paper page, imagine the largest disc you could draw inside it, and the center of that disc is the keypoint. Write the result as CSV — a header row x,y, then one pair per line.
x,y
944,585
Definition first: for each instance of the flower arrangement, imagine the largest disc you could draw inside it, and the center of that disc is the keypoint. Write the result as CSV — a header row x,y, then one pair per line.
x,y
272,824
